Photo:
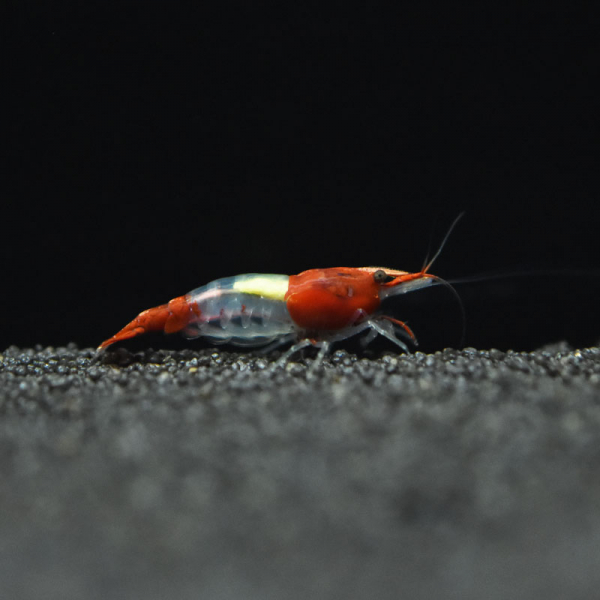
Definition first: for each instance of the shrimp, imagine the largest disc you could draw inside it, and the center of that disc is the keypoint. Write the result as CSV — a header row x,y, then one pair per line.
x,y
317,307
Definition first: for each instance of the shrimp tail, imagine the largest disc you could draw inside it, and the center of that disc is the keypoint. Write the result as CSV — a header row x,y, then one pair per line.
x,y
170,318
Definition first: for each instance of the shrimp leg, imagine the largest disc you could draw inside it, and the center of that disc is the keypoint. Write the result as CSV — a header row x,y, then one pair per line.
x,y
277,343
324,345
388,335
323,349
320,356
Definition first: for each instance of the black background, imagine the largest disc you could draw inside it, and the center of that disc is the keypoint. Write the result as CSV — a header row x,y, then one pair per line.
x,y
151,149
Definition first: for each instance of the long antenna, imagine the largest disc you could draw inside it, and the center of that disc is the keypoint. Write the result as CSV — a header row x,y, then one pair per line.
x,y
495,275
428,266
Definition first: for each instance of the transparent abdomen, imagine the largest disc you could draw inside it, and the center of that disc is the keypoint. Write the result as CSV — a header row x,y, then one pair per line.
x,y
246,310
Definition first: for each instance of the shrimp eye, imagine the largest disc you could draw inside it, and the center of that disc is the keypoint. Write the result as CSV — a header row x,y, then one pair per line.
x,y
380,276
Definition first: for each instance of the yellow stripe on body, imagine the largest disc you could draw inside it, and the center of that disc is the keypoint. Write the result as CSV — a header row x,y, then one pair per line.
x,y
267,286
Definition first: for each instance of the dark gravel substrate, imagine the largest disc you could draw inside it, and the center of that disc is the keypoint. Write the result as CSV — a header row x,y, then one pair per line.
x,y
202,474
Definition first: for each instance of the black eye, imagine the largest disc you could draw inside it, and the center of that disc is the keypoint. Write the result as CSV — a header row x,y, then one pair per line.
x,y
380,276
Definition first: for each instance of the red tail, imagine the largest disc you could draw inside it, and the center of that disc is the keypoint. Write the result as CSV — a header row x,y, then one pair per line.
x,y
169,318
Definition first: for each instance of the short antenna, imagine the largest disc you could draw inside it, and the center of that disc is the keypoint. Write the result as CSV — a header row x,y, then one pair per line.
x,y
428,247
428,266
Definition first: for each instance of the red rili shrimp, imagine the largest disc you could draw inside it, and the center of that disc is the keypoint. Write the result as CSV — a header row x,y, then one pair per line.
x,y
317,307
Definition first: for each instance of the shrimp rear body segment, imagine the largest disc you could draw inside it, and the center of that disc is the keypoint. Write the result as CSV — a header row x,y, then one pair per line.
x,y
247,310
